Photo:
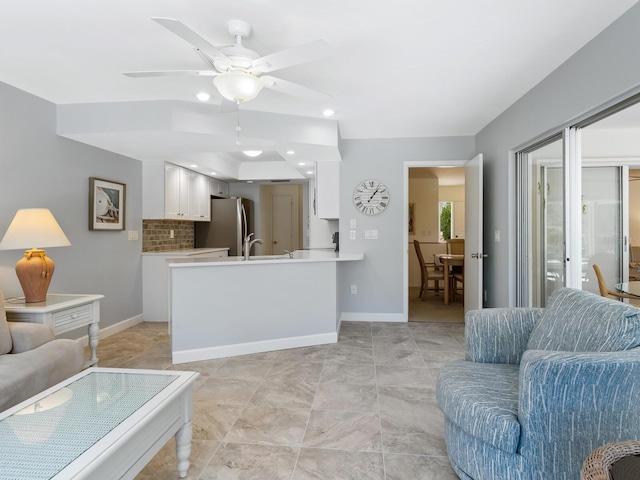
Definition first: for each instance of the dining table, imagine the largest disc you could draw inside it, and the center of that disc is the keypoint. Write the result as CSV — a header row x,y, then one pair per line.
x,y
449,261
630,288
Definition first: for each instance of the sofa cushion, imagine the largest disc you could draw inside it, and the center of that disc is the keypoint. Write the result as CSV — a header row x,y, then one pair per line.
x,y
482,400
579,321
5,337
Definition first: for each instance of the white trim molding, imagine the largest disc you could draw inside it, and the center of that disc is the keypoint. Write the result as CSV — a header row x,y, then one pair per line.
x,y
372,317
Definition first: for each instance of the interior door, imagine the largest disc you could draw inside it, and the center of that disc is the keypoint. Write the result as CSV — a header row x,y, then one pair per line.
x,y
282,218
473,249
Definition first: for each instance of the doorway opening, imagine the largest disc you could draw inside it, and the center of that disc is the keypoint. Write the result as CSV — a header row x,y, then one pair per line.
x,y
436,197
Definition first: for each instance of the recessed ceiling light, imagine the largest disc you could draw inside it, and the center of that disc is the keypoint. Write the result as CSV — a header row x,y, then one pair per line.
x,y
249,181
328,112
194,165
213,173
203,96
301,164
252,153
291,152
310,172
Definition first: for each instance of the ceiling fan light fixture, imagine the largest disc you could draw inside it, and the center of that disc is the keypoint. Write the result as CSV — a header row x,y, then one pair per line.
x,y
238,86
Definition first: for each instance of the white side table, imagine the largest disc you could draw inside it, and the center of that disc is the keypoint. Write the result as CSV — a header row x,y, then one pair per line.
x,y
62,313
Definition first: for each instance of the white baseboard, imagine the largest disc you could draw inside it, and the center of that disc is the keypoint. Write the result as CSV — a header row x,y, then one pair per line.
x,y
113,329
371,317
199,354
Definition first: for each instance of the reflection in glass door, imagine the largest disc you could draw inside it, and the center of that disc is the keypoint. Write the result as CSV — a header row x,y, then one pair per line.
x,y
552,232
540,248
603,235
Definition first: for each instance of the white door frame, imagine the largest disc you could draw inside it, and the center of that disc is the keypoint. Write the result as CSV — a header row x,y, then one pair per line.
x,y
405,222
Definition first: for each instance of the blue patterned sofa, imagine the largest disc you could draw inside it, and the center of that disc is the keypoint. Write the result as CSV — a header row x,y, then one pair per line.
x,y
541,388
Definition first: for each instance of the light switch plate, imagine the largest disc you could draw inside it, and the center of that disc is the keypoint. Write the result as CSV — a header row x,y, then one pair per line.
x,y
133,234
352,223
371,234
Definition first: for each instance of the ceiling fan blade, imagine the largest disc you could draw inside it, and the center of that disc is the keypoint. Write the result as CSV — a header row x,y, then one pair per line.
x,y
227,106
188,35
293,89
309,52
172,73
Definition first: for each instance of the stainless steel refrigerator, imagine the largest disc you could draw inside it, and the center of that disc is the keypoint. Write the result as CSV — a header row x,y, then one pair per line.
x,y
231,221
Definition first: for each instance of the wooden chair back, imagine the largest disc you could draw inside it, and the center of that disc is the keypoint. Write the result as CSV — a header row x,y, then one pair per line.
x,y
455,246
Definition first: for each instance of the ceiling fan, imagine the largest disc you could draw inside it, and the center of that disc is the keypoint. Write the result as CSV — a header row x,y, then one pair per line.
x,y
239,73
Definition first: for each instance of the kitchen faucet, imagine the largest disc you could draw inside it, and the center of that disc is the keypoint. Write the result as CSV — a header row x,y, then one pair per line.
x,y
248,243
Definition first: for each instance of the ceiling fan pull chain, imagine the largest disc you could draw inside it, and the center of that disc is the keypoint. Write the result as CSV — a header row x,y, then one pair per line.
x,y
238,127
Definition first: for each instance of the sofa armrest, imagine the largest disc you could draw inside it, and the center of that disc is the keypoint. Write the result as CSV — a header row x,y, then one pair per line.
x,y
566,382
570,402
499,335
27,336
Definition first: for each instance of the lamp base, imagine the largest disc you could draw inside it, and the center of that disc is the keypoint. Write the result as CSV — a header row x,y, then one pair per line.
x,y
34,272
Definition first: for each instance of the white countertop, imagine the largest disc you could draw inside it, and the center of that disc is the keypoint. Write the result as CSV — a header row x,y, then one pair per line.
x,y
187,252
299,256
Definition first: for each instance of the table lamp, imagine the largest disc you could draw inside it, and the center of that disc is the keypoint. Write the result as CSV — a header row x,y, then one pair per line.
x,y
34,226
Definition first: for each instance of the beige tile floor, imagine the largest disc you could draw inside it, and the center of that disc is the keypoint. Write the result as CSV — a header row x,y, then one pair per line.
x,y
363,408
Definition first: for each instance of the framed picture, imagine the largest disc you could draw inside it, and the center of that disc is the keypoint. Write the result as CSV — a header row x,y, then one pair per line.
x,y
411,227
107,200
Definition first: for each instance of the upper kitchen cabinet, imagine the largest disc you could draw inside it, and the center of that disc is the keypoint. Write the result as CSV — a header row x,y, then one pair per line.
x,y
327,190
173,192
218,188
199,197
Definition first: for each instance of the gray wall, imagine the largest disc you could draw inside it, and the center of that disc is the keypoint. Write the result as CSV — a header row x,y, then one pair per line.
x,y
601,73
380,276
41,169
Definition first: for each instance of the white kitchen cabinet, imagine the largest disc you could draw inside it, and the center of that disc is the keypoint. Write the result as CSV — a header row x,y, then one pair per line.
x,y
199,197
219,188
173,192
176,192
327,190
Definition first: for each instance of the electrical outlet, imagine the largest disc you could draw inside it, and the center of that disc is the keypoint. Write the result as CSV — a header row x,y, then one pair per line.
x,y
352,234
171,235
354,289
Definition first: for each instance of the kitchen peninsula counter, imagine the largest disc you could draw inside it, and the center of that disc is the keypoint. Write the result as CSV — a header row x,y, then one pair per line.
x,y
222,307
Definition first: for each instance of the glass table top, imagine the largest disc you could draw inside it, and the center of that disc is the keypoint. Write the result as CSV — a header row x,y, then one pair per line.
x,y
46,436
632,288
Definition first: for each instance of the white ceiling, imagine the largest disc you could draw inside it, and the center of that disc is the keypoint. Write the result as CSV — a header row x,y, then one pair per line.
x,y
410,68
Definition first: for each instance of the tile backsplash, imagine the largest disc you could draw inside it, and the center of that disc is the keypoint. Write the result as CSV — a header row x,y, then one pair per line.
x,y
156,235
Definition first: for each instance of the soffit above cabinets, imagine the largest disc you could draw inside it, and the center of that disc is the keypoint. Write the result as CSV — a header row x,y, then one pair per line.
x,y
190,134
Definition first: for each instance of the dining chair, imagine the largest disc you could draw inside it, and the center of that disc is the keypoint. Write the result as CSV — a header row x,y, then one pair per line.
x,y
455,246
428,271
602,285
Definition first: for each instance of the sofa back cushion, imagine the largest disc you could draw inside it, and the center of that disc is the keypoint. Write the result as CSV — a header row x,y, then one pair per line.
x,y
579,321
5,336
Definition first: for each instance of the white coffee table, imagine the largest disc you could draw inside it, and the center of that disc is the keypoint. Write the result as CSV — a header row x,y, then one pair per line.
x,y
103,423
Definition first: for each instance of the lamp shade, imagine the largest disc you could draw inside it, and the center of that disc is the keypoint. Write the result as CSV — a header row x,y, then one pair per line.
x,y
238,85
32,228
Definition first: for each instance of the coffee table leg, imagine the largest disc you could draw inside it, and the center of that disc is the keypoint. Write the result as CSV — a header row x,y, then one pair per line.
x,y
183,448
94,332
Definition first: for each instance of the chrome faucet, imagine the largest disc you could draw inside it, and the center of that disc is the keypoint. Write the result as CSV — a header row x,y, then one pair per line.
x,y
248,243
290,253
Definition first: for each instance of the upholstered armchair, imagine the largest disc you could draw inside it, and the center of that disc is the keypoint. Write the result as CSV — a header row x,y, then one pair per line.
x,y
541,388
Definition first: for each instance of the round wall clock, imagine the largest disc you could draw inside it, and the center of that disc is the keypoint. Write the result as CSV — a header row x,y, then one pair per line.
x,y
371,197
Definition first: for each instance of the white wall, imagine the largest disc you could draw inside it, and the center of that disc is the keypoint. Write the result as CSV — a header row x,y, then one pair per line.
x,y
600,74
41,169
